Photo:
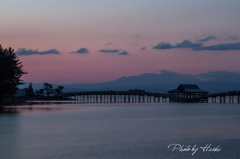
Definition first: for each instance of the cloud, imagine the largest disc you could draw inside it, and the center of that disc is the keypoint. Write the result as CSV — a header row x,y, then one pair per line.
x,y
184,44
108,44
188,44
114,51
24,52
109,51
210,37
219,47
143,48
234,37
123,53
137,36
198,46
81,51
163,46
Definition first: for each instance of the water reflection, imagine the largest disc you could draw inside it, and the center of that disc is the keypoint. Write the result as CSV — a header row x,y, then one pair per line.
x,y
106,131
21,109
38,106
9,129
35,108
5,110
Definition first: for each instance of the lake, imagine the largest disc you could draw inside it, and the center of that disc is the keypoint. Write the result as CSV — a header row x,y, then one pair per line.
x,y
121,131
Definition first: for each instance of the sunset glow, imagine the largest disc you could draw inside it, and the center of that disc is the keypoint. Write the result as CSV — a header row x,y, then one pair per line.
x,y
61,40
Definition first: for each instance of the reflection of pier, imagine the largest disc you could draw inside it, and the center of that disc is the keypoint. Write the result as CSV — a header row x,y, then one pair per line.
x,y
118,97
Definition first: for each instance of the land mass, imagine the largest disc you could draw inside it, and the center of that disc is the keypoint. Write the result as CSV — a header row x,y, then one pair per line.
x,y
219,81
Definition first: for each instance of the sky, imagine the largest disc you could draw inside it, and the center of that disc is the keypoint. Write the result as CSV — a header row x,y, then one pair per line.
x,y
92,41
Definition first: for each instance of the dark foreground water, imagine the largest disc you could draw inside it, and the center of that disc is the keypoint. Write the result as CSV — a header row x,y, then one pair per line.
x,y
121,131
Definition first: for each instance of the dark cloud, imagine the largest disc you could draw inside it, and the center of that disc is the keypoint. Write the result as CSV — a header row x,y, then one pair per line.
x,y
184,44
114,51
109,51
210,37
198,46
188,44
123,53
24,52
143,48
81,51
163,46
219,47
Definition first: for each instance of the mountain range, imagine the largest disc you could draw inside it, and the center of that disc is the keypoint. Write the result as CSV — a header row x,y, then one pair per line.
x,y
219,81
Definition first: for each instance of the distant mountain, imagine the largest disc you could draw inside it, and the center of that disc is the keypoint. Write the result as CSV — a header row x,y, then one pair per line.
x,y
219,81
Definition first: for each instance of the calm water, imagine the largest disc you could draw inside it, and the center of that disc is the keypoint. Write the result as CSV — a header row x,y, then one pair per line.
x,y
120,131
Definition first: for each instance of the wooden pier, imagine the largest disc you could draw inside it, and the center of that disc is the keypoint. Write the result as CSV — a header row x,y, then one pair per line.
x,y
225,97
188,93
118,97
146,97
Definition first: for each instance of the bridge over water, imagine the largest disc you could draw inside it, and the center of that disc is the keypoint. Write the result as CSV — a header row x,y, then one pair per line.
x,y
225,97
131,96
140,96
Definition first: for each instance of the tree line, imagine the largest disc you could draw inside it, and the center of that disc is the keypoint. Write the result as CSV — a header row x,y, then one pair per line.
x,y
11,71
46,92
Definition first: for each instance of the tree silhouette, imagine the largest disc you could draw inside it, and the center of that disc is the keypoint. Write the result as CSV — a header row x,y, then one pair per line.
x,y
48,88
11,70
40,92
29,91
59,90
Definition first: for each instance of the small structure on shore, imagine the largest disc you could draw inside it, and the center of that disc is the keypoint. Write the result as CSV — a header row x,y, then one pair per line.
x,y
188,93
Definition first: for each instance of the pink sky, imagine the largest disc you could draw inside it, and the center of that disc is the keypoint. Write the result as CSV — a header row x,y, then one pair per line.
x,y
68,26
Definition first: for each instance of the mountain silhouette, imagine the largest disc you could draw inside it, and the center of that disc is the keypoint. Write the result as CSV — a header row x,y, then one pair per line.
x,y
219,81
